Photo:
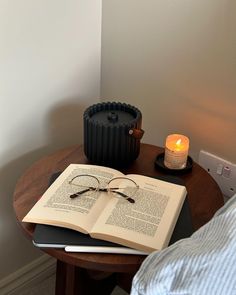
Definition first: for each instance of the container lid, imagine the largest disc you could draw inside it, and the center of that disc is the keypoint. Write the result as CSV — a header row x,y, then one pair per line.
x,y
113,113
116,116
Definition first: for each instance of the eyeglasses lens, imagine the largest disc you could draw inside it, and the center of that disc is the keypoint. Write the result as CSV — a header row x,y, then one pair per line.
x,y
86,184
123,187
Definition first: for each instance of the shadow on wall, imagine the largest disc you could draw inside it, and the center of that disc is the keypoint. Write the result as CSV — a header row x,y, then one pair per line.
x,y
63,126
16,247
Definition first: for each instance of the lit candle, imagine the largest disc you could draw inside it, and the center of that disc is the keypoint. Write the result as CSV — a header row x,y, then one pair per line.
x,y
176,151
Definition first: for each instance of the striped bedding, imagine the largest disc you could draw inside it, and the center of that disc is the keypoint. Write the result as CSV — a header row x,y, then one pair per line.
x,y
204,264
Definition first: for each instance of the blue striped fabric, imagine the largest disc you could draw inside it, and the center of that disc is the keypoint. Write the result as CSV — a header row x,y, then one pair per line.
x,y
204,264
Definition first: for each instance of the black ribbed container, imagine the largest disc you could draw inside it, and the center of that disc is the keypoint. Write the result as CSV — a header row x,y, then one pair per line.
x,y
112,133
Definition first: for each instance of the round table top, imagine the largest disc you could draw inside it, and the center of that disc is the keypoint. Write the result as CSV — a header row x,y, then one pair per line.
x,y
204,197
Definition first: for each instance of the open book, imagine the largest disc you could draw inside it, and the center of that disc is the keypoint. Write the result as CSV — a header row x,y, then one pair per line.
x,y
145,224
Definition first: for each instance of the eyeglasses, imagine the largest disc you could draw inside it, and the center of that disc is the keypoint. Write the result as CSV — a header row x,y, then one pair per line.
x,y
89,184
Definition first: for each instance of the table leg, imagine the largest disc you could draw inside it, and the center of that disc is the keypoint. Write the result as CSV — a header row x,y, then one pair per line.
x,y
72,280
124,280
65,279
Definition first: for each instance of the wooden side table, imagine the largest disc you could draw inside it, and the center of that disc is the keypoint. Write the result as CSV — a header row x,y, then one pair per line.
x,y
87,273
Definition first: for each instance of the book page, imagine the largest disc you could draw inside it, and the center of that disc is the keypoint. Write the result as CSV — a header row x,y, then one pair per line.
x,y
148,223
57,208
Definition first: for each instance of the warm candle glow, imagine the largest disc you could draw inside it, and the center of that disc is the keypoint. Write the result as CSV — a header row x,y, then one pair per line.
x,y
176,151
178,142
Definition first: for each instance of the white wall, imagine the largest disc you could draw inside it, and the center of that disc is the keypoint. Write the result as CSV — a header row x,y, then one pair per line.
x,y
49,73
176,61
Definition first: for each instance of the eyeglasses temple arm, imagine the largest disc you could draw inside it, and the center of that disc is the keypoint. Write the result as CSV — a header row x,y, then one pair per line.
x,y
79,193
125,196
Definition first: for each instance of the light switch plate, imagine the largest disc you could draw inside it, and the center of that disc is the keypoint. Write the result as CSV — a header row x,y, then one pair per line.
x,y
223,171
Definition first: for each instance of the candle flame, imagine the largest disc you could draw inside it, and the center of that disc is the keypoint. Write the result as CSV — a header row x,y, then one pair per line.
x,y
178,142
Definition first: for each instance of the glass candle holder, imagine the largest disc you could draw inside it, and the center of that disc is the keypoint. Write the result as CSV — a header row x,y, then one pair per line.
x,y
176,151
